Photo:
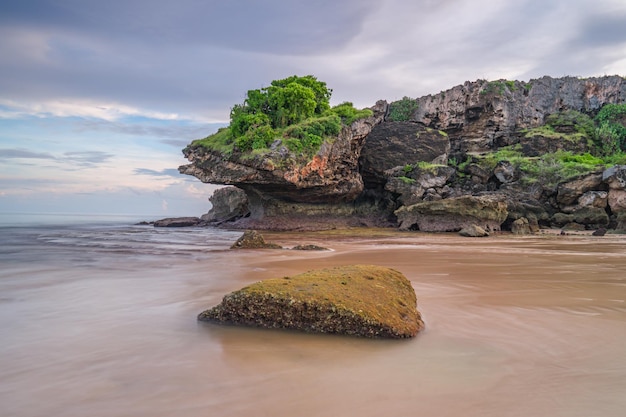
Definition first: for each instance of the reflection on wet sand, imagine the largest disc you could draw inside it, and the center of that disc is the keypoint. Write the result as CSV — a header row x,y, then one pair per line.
x,y
514,327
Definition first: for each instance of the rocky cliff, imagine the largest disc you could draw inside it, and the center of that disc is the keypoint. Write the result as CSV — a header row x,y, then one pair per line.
x,y
476,139
484,115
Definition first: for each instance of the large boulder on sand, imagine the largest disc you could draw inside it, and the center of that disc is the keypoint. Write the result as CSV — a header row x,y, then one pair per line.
x,y
358,300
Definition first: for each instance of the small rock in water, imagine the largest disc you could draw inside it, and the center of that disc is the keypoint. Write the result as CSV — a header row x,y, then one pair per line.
x,y
178,222
308,247
600,232
473,231
252,239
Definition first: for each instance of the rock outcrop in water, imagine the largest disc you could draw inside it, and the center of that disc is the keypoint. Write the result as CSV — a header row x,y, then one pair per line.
x,y
377,169
356,300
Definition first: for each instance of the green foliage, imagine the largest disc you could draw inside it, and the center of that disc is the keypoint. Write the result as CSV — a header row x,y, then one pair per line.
x,y
290,104
611,130
320,91
427,166
568,125
243,122
571,120
307,136
552,168
349,114
499,87
257,138
401,110
254,123
222,141
422,166
510,154
548,169
407,180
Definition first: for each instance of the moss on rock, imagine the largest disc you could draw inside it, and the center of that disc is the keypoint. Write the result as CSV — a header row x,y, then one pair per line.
x,y
358,300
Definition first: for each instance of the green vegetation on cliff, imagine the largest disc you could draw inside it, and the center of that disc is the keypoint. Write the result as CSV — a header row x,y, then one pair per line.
x,y
402,110
295,111
611,130
569,125
604,136
549,168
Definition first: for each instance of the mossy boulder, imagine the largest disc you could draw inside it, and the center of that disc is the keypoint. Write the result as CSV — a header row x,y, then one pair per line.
x,y
356,300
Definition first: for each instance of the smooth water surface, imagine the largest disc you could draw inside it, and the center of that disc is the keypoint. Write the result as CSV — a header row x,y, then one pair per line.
x,y
101,321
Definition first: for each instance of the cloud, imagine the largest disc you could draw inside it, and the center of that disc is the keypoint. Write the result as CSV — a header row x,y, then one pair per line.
x,y
272,26
23,154
87,158
168,172
78,107
95,96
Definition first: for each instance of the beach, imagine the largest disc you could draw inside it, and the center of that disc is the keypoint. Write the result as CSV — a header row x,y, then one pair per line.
x,y
101,321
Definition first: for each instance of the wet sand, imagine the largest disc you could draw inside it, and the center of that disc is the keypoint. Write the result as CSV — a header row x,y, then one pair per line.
x,y
528,326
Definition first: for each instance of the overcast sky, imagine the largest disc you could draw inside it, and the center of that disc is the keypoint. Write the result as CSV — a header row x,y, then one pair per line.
x,y
97,98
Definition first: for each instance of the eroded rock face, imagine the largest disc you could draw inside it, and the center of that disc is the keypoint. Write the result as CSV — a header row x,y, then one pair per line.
x,y
331,176
397,144
480,116
412,185
369,171
453,214
356,300
228,204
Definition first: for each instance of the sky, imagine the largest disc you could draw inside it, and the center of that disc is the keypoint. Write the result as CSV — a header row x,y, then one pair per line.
x,y
98,98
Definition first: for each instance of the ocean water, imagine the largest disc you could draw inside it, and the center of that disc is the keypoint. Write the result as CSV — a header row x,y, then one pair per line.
x,y
98,318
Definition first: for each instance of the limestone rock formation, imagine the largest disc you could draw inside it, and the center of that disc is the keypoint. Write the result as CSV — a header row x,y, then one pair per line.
x,y
228,204
482,115
397,144
413,172
411,183
357,300
453,214
277,180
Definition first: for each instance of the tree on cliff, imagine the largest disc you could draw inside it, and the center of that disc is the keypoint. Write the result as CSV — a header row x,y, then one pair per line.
x,y
295,109
283,103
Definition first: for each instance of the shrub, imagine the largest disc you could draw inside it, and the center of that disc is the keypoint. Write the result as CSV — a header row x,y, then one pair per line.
x,y
284,102
307,136
498,87
611,131
257,138
221,141
569,125
349,114
402,110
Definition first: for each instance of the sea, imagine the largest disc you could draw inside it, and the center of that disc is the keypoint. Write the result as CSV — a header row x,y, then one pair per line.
x,y
98,318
